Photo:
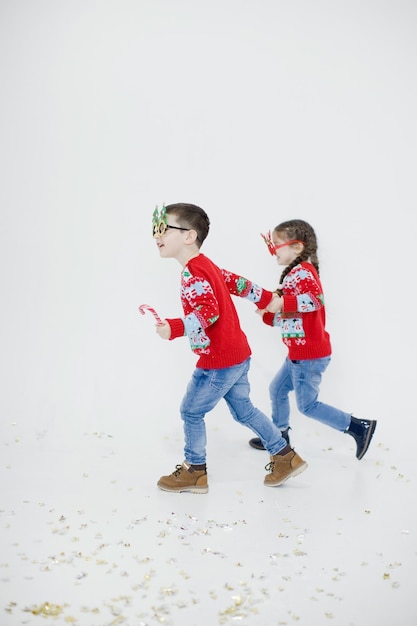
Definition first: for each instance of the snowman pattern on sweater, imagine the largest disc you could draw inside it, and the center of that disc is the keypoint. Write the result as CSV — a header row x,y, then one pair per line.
x,y
310,299
201,305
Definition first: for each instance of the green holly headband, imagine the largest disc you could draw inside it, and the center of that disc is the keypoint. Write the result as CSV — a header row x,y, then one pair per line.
x,y
159,221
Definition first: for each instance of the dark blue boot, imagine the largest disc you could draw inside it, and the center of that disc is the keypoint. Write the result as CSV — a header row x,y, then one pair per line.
x,y
362,431
257,443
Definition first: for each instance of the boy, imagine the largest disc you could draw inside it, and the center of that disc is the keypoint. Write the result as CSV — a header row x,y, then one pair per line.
x,y
213,329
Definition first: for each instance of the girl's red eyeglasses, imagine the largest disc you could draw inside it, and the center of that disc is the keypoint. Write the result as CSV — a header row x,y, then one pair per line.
x,y
272,247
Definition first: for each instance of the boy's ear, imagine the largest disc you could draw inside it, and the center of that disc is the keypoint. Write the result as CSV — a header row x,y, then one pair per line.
x,y
191,236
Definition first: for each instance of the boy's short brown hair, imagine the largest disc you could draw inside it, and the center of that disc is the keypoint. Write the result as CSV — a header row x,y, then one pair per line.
x,y
191,216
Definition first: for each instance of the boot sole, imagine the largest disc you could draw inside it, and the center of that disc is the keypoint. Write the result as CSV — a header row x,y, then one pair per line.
x,y
295,472
185,489
368,439
256,443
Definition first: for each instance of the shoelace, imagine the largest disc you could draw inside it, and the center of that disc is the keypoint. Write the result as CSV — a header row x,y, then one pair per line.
x,y
269,466
178,470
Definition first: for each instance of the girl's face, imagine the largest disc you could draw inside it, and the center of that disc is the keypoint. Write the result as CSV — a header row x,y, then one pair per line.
x,y
286,251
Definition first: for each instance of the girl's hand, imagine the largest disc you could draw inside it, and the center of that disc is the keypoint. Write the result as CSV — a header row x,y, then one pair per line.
x,y
276,304
163,330
260,312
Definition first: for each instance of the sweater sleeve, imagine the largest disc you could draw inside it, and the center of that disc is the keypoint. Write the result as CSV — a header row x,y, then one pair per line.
x,y
307,297
302,303
271,319
244,288
201,310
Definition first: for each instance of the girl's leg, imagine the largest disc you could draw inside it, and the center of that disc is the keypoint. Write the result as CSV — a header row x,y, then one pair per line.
x,y
279,389
306,377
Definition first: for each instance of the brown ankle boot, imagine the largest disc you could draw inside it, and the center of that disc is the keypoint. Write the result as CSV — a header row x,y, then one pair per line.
x,y
282,467
185,478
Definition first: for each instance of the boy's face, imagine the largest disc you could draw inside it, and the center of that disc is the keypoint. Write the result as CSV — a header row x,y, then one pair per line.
x,y
171,239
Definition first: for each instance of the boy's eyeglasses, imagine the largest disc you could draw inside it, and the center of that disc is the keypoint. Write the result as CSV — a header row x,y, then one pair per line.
x,y
160,229
159,223
175,227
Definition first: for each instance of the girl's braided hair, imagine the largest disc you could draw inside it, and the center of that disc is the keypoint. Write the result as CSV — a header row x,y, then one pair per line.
x,y
302,231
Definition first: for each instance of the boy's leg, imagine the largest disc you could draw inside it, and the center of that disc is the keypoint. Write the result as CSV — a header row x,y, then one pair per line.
x,y
204,391
244,412
284,462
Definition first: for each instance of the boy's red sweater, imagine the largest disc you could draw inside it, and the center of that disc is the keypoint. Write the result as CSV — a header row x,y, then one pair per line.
x,y
210,321
303,316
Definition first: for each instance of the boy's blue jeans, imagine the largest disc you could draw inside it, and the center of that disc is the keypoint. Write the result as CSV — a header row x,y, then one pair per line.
x,y
304,378
205,389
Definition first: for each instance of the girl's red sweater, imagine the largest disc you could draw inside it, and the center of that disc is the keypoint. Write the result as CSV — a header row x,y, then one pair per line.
x,y
303,317
210,320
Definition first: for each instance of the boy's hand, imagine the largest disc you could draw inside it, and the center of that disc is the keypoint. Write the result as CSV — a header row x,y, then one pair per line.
x,y
163,330
276,304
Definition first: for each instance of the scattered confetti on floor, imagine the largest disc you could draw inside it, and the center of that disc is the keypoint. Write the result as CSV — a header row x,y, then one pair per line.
x,y
92,543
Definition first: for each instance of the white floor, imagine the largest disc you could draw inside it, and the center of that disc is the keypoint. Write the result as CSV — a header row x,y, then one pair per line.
x,y
88,539
259,111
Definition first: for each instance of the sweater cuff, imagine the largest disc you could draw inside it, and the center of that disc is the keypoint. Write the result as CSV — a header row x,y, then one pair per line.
x,y
266,298
268,318
290,304
177,328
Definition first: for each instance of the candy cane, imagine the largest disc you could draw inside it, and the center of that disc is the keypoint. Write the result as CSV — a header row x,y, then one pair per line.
x,y
146,307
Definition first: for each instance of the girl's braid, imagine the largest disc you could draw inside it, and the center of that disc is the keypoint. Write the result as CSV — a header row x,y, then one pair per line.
x,y
302,231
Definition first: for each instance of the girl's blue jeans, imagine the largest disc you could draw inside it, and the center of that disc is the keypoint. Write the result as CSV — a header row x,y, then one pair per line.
x,y
304,378
205,389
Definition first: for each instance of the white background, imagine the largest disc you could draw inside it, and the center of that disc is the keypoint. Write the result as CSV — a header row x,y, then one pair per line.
x,y
258,111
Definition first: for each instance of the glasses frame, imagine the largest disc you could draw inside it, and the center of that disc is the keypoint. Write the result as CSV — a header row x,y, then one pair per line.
x,y
286,243
159,230
159,223
272,247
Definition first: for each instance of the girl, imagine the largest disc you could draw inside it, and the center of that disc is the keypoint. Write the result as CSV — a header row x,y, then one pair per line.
x,y
300,313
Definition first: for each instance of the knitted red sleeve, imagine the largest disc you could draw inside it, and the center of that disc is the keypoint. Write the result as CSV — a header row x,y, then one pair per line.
x,y
268,318
177,327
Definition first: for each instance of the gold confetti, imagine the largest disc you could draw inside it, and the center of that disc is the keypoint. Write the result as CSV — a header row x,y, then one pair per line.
x,y
47,609
169,591
297,552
